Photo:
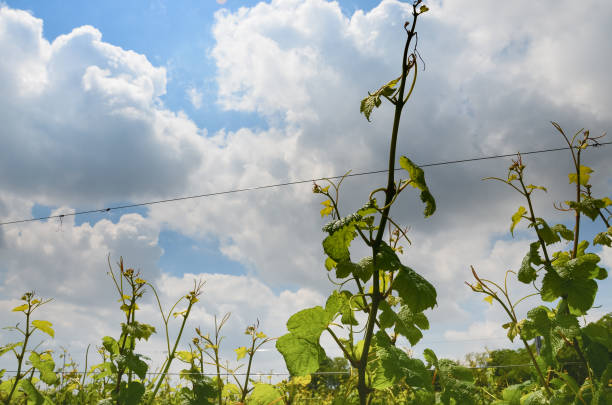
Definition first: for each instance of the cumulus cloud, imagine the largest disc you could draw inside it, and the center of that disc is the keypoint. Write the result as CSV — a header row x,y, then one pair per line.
x,y
83,123
82,120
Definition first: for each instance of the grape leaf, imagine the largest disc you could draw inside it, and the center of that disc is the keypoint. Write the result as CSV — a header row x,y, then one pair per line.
x,y
265,394
417,177
527,273
44,326
416,292
45,364
585,175
373,100
516,218
341,234
302,356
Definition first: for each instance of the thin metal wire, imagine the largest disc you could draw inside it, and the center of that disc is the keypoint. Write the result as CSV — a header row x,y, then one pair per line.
x,y
288,183
317,373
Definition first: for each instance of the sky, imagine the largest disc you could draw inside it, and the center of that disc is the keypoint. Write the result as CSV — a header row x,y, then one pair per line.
x,y
114,103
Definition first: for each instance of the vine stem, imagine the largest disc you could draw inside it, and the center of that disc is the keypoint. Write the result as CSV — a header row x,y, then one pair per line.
x,y
22,355
390,191
173,353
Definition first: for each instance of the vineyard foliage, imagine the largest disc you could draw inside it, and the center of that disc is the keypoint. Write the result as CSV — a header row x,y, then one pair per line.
x,y
377,305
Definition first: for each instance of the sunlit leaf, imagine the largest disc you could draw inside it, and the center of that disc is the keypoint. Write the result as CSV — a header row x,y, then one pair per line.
x,y
417,177
584,175
240,352
516,218
373,100
20,308
44,326
265,394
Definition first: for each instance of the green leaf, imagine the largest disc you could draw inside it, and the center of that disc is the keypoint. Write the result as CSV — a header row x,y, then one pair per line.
x,y
393,365
345,269
138,330
330,263
542,322
512,394
580,292
302,356
9,347
562,230
406,322
44,326
341,234
546,233
20,308
339,302
585,175
137,365
416,292
300,347
532,187
431,358
535,398
599,334
603,238
513,330
34,396
417,177
185,356
386,258
588,206
582,267
309,323
265,394
130,394
373,100
110,345
240,352
45,364
527,273
516,218
364,269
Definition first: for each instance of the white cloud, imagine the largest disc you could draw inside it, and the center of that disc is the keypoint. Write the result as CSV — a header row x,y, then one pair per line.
x,y
82,120
195,97
83,123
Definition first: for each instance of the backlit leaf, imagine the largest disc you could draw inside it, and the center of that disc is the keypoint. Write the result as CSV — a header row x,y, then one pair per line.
x,y
9,347
45,364
417,177
44,326
393,365
20,308
584,175
373,100
516,218
265,394
302,355
240,352
309,323
30,390
341,234
603,238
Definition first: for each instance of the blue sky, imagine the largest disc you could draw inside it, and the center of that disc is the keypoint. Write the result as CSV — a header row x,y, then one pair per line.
x,y
158,99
